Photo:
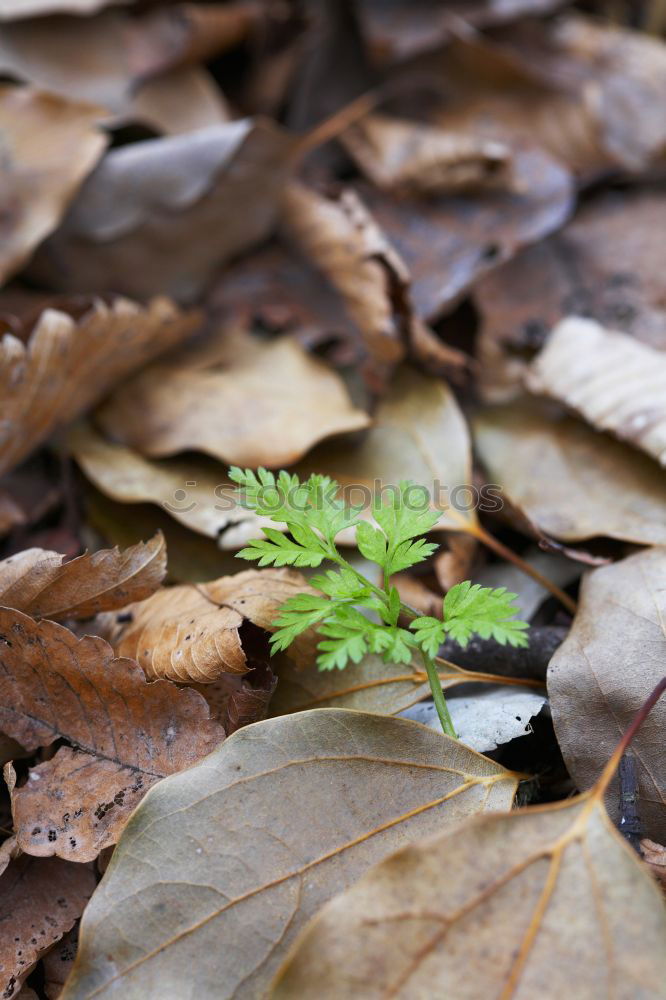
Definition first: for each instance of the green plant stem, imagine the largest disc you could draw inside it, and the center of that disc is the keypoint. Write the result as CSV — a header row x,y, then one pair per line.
x,y
438,696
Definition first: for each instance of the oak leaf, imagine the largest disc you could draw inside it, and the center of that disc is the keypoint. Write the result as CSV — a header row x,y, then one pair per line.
x,y
43,585
257,837
68,364
128,734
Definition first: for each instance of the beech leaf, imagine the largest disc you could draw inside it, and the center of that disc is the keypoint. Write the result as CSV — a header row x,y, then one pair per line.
x,y
257,838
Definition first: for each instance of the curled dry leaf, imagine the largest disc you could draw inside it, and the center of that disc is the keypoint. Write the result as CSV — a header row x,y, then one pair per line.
x,y
133,67
40,899
197,492
542,902
415,159
450,241
43,585
68,364
615,383
231,834
654,856
191,634
605,265
48,145
166,214
262,404
128,733
570,481
418,433
604,670
342,239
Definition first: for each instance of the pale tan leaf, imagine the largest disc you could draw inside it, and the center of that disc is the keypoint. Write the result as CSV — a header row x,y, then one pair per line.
x,y
165,214
196,492
569,480
260,835
69,364
48,146
654,856
129,733
40,899
264,404
544,902
43,585
418,433
191,633
614,382
342,239
411,158
603,672
11,10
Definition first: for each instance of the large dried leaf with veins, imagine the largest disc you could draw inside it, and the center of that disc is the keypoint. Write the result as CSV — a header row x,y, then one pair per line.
x,y
48,145
191,634
411,158
257,837
614,382
196,492
128,734
259,404
69,364
43,585
605,265
165,214
40,899
544,902
418,433
603,672
572,482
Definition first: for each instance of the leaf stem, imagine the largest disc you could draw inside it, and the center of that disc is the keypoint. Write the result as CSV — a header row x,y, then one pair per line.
x,y
438,696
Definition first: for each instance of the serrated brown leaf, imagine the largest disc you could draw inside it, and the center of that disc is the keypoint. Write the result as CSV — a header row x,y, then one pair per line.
x,y
49,145
614,382
191,634
43,585
68,364
570,481
40,899
410,158
542,902
164,215
260,404
128,734
283,815
604,670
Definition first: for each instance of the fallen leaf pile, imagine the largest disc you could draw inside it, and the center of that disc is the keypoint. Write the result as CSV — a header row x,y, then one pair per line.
x,y
375,241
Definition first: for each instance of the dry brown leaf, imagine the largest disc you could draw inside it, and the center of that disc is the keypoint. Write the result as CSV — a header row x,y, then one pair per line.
x,y
260,404
40,899
69,364
415,159
191,634
166,214
132,67
197,492
654,856
570,481
48,145
129,733
543,902
341,238
418,433
615,383
11,513
43,585
605,265
448,242
453,564
604,670
58,962
258,836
